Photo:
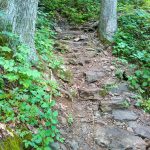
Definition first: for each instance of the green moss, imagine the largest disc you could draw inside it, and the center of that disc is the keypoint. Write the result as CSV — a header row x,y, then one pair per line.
x,y
61,47
73,92
103,92
66,75
1,82
11,143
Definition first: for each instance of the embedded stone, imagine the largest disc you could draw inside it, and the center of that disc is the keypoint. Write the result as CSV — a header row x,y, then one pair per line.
x,y
141,130
118,139
93,76
126,115
123,87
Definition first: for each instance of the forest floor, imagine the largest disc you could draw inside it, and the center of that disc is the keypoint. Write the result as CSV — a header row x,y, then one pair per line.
x,y
102,115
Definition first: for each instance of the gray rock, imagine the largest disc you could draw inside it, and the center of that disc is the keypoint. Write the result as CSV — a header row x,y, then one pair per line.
x,y
80,38
73,144
81,62
123,87
58,29
89,93
72,62
55,146
90,49
83,37
141,130
91,54
86,120
93,76
124,115
63,147
130,129
118,139
97,114
85,146
63,120
87,61
115,103
112,67
95,24
58,146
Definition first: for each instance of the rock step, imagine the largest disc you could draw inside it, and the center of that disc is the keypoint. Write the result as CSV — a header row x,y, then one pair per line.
x,y
114,138
124,115
113,103
89,93
94,75
141,130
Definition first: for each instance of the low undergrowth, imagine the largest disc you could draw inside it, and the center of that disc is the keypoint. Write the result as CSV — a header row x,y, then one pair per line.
x,y
133,45
27,92
76,11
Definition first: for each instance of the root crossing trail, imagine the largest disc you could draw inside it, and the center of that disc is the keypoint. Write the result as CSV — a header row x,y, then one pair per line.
x,y
99,117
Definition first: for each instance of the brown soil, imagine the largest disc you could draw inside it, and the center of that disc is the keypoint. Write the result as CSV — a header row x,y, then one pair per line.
x,y
86,54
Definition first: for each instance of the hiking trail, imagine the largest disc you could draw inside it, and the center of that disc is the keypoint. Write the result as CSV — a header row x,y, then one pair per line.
x,y
98,117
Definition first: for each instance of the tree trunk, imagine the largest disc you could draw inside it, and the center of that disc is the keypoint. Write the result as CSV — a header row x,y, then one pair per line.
x,y
22,16
108,20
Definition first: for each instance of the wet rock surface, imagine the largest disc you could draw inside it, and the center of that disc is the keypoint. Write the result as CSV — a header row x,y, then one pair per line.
x,y
98,118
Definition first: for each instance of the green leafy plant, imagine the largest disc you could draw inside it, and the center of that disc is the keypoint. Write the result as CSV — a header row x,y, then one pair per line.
x,y
132,44
26,98
70,119
126,104
146,105
119,73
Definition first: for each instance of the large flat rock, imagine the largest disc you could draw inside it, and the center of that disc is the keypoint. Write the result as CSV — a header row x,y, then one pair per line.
x,y
93,75
89,93
121,88
118,139
141,130
124,115
114,103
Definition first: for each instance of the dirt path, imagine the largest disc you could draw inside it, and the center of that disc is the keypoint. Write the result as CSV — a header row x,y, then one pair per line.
x,y
101,119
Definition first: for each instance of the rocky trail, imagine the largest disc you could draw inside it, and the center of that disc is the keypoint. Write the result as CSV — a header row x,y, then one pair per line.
x,y
98,117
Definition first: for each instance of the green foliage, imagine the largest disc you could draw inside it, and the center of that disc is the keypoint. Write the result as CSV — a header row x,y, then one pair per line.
x,y
70,119
44,42
129,5
77,11
146,105
133,44
119,73
3,4
103,92
126,104
26,99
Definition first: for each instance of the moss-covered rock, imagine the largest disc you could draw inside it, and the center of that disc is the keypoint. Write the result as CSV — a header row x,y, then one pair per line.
x,y
66,75
11,143
103,92
61,47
